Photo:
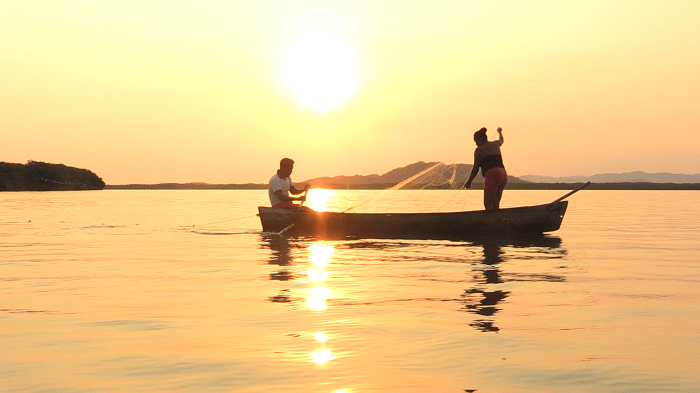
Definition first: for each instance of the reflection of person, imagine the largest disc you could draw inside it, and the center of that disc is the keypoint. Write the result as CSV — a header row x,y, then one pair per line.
x,y
487,156
281,185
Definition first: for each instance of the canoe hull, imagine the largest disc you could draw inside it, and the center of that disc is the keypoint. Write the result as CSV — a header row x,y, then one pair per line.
x,y
512,221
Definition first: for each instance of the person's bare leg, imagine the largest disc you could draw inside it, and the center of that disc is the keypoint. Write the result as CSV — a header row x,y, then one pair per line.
x,y
497,199
490,200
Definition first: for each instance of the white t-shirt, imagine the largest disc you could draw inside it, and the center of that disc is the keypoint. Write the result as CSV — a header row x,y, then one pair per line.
x,y
277,184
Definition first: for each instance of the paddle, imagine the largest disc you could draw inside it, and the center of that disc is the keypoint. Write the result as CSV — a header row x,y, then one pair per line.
x,y
304,199
295,214
569,194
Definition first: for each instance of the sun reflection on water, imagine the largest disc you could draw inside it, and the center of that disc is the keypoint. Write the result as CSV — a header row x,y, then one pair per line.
x,y
321,337
318,298
322,356
316,275
320,254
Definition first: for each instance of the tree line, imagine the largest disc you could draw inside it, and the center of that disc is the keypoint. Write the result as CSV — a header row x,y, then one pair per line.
x,y
42,176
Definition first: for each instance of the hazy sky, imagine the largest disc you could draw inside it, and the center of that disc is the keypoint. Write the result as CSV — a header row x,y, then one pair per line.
x,y
218,91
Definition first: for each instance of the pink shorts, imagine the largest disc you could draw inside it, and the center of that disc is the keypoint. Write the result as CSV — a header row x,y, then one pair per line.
x,y
496,179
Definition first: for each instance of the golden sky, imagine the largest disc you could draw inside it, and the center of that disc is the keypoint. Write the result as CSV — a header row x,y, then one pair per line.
x,y
218,91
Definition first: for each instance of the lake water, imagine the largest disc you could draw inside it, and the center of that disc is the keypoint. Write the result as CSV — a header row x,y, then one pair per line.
x,y
179,291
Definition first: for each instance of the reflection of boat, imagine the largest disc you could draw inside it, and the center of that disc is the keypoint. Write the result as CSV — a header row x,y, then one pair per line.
x,y
511,221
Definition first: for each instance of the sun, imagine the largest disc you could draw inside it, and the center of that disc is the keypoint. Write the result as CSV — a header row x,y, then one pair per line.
x,y
320,72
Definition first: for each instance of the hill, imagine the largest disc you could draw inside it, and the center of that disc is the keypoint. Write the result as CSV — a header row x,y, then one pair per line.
x,y
41,176
437,176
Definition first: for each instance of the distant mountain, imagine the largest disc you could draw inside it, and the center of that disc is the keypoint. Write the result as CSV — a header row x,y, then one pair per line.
x,y
442,176
437,175
628,177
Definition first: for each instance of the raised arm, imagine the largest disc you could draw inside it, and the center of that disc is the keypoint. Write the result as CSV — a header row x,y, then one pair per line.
x,y
500,136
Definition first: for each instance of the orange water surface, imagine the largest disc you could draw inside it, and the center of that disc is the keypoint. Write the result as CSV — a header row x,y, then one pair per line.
x,y
180,291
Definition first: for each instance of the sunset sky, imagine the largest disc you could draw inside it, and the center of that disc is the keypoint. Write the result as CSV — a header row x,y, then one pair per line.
x,y
218,91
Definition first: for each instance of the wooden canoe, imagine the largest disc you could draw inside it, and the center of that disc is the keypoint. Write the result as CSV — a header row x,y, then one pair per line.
x,y
516,221
511,221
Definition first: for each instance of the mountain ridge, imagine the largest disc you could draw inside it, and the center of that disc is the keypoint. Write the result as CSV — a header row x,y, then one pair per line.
x,y
626,177
445,176
437,175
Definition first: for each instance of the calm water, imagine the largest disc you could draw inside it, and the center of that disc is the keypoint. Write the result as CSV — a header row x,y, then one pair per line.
x,y
179,291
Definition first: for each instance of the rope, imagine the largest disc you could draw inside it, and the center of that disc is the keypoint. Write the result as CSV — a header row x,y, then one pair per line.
x,y
453,197
216,222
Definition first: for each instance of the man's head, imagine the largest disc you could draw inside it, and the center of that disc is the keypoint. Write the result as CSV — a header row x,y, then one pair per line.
x,y
286,167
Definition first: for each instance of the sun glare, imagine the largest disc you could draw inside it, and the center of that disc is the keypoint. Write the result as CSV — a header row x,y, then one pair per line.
x,y
317,198
320,72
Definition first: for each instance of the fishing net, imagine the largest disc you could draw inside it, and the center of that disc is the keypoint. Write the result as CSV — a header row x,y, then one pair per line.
x,y
436,175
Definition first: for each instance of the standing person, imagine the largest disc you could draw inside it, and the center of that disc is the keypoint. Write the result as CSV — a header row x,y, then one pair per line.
x,y
281,185
487,156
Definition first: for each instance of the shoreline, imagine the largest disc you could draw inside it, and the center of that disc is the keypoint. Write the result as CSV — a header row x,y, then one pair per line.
x,y
381,186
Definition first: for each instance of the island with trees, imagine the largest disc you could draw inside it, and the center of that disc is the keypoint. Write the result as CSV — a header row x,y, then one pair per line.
x,y
42,176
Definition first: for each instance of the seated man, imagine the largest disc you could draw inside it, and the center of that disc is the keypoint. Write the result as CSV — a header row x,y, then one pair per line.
x,y
281,185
